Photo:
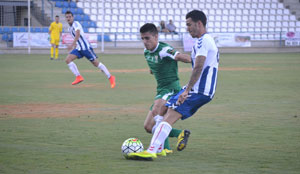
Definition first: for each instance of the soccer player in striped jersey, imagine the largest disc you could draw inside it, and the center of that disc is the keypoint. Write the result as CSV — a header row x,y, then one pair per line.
x,y
162,60
79,48
199,91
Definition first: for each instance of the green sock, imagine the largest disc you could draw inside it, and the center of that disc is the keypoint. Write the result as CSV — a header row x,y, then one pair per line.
x,y
167,144
175,132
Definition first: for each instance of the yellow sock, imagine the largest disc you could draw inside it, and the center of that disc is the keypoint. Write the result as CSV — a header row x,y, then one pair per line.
x,y
56,53
52,52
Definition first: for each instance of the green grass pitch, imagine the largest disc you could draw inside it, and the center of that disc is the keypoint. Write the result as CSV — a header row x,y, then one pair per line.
x,y
48,126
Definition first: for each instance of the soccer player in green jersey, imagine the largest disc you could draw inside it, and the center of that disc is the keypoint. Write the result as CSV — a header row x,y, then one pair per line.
x,y
162,61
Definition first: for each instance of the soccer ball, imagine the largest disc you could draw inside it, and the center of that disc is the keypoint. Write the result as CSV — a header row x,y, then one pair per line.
x,y
131,145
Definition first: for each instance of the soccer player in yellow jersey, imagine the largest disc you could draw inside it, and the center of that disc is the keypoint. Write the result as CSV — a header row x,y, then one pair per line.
x,y
55,34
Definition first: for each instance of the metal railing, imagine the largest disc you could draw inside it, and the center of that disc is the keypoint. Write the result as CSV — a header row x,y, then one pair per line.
x,y
48,5
135,36
40,12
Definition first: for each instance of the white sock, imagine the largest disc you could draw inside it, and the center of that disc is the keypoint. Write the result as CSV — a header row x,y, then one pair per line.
x,y
103,68
73,68
161,133
160,148
157,120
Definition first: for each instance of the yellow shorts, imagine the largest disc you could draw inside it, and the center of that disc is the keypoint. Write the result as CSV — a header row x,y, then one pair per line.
x,y
55,41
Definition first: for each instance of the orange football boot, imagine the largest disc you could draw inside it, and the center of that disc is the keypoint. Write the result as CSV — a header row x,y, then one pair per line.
x,y
112,81
78,80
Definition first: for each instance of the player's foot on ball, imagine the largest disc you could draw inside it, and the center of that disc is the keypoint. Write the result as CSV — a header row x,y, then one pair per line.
x,y
162,153
168,151
78,80
145,155
112,81
183,139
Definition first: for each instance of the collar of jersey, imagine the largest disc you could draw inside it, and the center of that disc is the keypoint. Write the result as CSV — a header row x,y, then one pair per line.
x,y
202,35
155,48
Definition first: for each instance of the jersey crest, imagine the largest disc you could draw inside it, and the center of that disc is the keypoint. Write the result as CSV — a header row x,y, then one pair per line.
x,y
152,58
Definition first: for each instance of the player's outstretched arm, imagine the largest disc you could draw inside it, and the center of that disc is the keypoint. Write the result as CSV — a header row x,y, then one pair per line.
x,y
183,58
176,55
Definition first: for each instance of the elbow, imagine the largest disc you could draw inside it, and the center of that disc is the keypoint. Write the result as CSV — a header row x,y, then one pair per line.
x,y
188,60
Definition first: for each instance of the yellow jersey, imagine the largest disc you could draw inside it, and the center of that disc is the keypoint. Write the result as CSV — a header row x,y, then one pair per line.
x,y
56,29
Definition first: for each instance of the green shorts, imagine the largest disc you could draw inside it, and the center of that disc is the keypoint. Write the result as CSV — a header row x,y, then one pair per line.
x,y
167,91
165,94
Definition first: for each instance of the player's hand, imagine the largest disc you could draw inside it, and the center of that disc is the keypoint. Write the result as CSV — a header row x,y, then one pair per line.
x,y
168,52
182,97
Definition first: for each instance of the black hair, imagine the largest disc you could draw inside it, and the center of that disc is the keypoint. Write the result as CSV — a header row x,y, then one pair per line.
x,y
196,16
69,12
57,16
149,27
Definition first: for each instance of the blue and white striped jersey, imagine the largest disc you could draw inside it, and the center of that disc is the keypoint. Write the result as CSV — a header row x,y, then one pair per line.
x,y
82,43
205,46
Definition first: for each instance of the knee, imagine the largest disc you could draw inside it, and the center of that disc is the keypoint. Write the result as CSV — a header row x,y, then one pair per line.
x,y
155,111
96,63
68,60
148,128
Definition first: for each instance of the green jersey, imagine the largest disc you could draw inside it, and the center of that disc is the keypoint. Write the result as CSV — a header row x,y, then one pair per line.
x,y
164,69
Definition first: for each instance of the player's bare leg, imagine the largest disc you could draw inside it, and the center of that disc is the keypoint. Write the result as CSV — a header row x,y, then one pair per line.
x,y
149,122
154,115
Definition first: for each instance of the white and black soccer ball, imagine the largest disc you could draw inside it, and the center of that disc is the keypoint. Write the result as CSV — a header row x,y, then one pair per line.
x,y
131,145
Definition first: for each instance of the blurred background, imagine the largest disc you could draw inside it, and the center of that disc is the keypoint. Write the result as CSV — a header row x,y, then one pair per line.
x,y
237,25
